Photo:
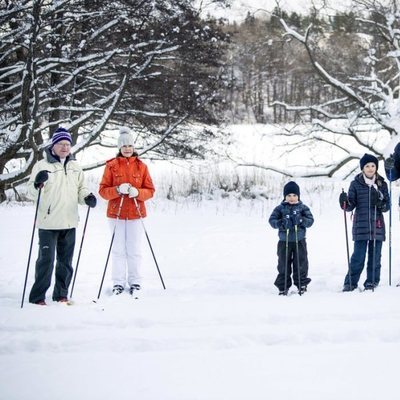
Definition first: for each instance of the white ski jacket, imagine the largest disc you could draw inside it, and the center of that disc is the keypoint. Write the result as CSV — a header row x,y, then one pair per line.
x,y
65,188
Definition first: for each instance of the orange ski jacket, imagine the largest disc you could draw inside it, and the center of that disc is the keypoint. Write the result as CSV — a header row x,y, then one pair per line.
x,y
126,170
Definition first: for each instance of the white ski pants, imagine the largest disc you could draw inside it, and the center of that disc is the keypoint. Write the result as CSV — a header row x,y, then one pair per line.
x,y
126,251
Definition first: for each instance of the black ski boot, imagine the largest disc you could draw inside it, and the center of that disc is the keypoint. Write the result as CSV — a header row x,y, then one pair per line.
x,y
370,286
117,289
302,289
283,293
133,290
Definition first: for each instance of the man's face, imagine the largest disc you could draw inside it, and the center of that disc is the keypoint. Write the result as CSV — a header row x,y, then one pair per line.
x,y
62,149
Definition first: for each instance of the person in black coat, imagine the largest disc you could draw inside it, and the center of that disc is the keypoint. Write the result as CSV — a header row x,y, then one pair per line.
x,y
369,198
292,217
392,165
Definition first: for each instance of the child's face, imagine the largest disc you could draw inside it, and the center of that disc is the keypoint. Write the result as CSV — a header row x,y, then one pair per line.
x,y
127,151
292,198
369,169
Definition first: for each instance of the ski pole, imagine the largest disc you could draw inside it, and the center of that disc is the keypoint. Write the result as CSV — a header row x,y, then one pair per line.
x,y
298,259
79,254
30,248
347,242
286,259
374,251
390,227
148,241
112,241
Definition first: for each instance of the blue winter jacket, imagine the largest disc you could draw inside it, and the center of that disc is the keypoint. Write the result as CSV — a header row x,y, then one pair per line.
x,y
368,222
285,209
394,173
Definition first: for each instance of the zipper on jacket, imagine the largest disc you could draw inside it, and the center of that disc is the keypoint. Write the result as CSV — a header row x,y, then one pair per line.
x,y
48,211
65,164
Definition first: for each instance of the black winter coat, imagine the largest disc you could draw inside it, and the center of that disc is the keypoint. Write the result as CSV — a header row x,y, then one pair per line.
x,y
394,173
365,222
280,212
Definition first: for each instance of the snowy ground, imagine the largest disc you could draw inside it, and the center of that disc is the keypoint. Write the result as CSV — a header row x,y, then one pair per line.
x,y
219,331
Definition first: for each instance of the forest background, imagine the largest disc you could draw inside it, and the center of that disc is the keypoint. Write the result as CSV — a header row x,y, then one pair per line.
x,y
180,77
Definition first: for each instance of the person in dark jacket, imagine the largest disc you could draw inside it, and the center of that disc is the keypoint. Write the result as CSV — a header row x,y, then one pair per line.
x,y
392,165
369,198
292,217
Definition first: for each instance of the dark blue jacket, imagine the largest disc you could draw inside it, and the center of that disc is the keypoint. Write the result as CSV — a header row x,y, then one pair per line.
x,y
394,173
365,222
284,209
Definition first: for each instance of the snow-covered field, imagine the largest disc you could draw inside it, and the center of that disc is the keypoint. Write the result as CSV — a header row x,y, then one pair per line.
x,y
219,331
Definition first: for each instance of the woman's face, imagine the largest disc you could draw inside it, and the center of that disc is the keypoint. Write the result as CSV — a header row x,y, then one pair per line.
x,y
127,151
369,169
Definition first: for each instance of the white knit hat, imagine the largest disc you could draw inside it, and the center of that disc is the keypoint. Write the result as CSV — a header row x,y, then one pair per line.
x,y
125,137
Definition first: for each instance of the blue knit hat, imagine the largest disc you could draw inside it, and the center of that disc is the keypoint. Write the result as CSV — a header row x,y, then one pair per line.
x,y
60,134
367,158
291,188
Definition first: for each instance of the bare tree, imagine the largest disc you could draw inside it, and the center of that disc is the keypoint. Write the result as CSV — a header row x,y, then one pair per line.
x,y
366,101
90,65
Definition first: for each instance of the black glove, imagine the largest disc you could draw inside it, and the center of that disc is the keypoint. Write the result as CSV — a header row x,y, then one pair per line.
x,y
376,198
286,222
296,219
389,163
40,179
343,200
90,200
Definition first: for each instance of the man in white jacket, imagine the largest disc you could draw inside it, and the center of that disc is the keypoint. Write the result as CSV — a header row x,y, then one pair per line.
x,y
61,182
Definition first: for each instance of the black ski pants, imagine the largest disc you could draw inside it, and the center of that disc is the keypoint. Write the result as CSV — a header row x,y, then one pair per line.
x,y
289,259
51,241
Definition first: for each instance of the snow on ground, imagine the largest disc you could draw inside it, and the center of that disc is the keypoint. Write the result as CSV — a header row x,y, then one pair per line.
x,y
219,331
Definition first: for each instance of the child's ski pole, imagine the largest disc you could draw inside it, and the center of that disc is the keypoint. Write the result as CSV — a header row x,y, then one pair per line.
x,y
347,242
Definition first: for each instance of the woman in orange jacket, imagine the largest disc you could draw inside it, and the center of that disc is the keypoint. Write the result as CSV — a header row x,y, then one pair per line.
x,y
126,184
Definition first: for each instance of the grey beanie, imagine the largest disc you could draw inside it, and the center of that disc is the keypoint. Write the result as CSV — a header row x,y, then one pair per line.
x,y
125,137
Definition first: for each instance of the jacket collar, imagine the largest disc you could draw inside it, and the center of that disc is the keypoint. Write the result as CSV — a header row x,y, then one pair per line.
x,y
285,203
360,178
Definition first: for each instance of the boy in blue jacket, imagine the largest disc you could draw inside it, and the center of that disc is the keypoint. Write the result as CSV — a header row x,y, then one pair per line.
x,y
292,217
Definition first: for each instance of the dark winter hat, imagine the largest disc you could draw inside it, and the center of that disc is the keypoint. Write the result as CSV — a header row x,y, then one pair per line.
x,y
291,188
60,134
367,158
125,137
